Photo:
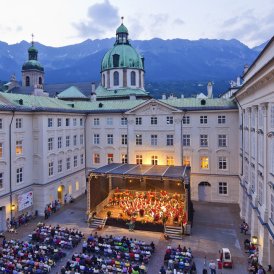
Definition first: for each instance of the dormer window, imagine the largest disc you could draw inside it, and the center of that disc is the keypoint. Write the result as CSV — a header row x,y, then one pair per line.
x,y
116,78
27,81
116,60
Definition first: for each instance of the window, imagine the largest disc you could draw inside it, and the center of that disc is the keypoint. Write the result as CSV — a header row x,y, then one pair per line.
x,y
153,120
154,140
272,208
221,119
138,120
104,80
60,166
1,180
50,143
81,122
169,120
67,141
75,140
96,121
260,192
116,78
223,188
74,122
154,160
96,139
272,116
186,140
252,181
1,123
27,81
50,122
109,121
133,78
75,161
123,121
222,160
116,58
272,156
18,123
139,139
203,119
110,139
19,175
186,161
81,139
19,147
170,160
186,120
59,142
204,162
96,158
110,158
1,150
59,122
82,159
203,140
124,139
67,122
260,149
222,140
77,186
139,159
169,140
50,168
68,163
124,158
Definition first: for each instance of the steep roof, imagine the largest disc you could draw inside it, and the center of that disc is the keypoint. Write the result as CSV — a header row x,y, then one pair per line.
x,y
71,93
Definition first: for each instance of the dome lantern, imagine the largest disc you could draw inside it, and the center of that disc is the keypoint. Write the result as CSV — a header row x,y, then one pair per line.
x,y
122,34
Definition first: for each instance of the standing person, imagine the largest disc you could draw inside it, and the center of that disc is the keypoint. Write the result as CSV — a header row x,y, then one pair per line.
x,y
65,198
212,267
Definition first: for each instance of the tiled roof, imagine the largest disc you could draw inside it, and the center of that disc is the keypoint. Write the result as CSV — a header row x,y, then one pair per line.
x,y
71,92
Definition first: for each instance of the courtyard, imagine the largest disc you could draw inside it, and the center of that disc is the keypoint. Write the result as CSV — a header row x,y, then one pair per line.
x,y
215,226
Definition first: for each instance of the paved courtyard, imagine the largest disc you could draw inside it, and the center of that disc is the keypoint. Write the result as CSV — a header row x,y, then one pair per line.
x,y
215,226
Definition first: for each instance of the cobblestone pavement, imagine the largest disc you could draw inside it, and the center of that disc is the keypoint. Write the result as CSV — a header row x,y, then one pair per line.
x,y
215,226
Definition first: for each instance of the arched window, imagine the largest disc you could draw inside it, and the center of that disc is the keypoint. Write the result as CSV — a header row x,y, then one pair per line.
x,y
116,78
40,81
133,78
104,80
27,81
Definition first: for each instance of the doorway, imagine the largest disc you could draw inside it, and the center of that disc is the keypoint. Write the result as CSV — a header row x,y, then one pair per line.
x,y
60,194
2,218
204,191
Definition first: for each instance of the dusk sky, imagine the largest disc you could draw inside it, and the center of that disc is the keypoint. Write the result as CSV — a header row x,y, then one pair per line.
x,y
65,22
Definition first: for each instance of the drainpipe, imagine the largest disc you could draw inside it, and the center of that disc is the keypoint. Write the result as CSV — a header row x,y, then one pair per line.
x,y
123,115
10,163
85,145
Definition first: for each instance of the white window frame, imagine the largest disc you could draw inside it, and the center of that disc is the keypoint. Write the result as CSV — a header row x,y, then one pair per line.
x,y
50,170
153,120
123,121
75,160
154,139
18,122
124,139
50,143
138,139
203,140
19,144
60,166
19,175
75,140
110,139
186,120
1,150
221,119
1,180
67,141
169,120
68,164
154,160
109,121
81,139
96,139
222,140
50,122
203,119
96,158
74,122
169,139
201,161
170,160
67,122
223,188
96,121
59,122
82,159
186,140
139,159
59,142
222,163
138,121
124,158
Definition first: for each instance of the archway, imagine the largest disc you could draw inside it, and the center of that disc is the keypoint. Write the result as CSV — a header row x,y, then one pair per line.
x,y
204,191
2,218
60,193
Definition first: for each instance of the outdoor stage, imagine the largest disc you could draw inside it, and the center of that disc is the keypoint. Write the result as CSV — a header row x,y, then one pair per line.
x,y
150,196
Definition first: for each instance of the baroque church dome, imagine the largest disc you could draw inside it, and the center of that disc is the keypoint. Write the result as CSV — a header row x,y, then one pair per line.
x,y
32,63
122,55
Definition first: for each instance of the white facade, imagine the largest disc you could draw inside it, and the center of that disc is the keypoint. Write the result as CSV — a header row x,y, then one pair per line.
x,y
256,119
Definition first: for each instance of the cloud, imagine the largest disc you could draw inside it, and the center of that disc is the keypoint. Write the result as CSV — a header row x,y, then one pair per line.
x,y
101,17
11,29
249,28
135,28
179,21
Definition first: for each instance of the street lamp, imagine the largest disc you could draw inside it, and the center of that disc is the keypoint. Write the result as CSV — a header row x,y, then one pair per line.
x,y
13,207
254,240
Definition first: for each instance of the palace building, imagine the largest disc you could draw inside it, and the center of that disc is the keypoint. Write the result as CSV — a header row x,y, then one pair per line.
x,y
50,145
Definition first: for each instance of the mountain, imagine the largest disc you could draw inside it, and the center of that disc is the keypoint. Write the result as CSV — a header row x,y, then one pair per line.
x,y
260,47
178,61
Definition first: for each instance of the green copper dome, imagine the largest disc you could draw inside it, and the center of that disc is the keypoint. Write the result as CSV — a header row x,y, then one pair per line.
x,y
122,56
122,29
32,64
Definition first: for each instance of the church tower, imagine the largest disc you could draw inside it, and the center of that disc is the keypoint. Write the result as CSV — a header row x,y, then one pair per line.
x,y
32,70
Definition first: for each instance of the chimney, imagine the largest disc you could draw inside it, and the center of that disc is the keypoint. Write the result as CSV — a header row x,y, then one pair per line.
x,y
238,81
209,90
163,97
246,67
93,87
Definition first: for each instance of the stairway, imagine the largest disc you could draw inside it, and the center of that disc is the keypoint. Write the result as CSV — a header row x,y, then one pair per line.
x,y
97,222
174,232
